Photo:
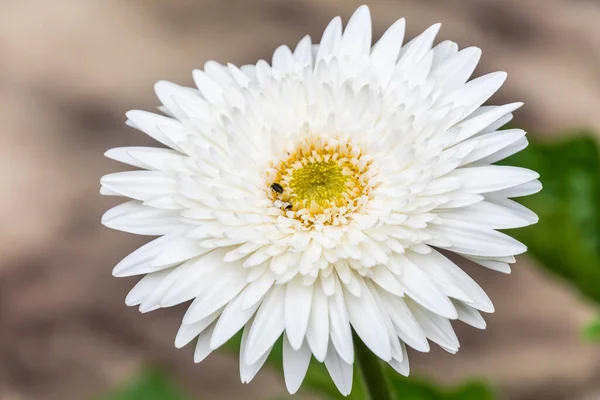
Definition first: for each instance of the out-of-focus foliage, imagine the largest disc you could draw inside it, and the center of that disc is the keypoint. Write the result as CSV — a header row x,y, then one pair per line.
x,y
149,385
592,330
416,389
567,238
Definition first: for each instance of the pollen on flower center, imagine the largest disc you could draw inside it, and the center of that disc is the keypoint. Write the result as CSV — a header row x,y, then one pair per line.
x,y
322,181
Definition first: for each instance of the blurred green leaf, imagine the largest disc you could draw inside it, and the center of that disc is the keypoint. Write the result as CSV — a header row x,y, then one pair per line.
x,y
416,389
592,330
149,385
473,391
567,238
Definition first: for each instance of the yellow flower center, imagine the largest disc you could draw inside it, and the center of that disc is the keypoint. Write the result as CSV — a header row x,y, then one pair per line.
x,y
321,182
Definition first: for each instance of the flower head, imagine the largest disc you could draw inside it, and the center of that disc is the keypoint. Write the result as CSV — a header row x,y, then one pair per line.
x,y
314,196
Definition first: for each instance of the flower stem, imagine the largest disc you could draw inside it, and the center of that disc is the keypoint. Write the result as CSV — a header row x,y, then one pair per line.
x,y
372,372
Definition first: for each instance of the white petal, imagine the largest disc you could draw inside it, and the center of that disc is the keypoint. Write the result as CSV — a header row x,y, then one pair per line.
x,y
456,69
438,329
474,240
423,290
385,279
268,325
145,287
474,93
330,40
166,130
525,189
477,123
469,315
339,325
317,333
298,297
492,143
226,286
369,325
133,217
340,371
187,332
492,178
493,265
197,278
442,51
303,51
140,185
508,151
477,296
416,49
257,289
385,51
487,214
402,367
407,327
356,41
138,262
249,371
210,89
203,349
233,318
295,365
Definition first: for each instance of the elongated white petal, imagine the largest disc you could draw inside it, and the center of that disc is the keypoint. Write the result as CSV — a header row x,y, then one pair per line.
x,y
473,240
267,326
339,325
231,281
424,291
317,333
356,40
133,217
203,348
295,364
469,315
368,323
140,185
438,329
298,298
401,366
187,332
385,51
493,178
340,371
249,371
233,318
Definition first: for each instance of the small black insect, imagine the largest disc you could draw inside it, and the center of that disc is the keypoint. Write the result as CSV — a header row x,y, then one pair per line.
x,y
288,207
277,187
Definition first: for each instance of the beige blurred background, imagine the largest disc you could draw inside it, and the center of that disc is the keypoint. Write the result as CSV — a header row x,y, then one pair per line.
x,y
70,69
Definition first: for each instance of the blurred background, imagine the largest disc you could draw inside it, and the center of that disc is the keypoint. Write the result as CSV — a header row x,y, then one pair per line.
x,y
70,69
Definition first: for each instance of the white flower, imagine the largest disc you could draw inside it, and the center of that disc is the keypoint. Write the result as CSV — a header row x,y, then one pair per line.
x,y
312,196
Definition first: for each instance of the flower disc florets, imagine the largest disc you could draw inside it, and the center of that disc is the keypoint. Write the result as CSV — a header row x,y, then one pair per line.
x,y
324,181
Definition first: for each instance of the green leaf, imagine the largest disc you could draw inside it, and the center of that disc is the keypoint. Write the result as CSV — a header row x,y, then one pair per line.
x,y
567,238
416,389
473,391
149,385
592,331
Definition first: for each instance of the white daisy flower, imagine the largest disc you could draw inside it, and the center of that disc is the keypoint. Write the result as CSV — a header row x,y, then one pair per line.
x,y
312,196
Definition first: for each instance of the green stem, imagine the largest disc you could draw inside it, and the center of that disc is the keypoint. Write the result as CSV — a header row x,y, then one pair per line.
x,y
372,372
